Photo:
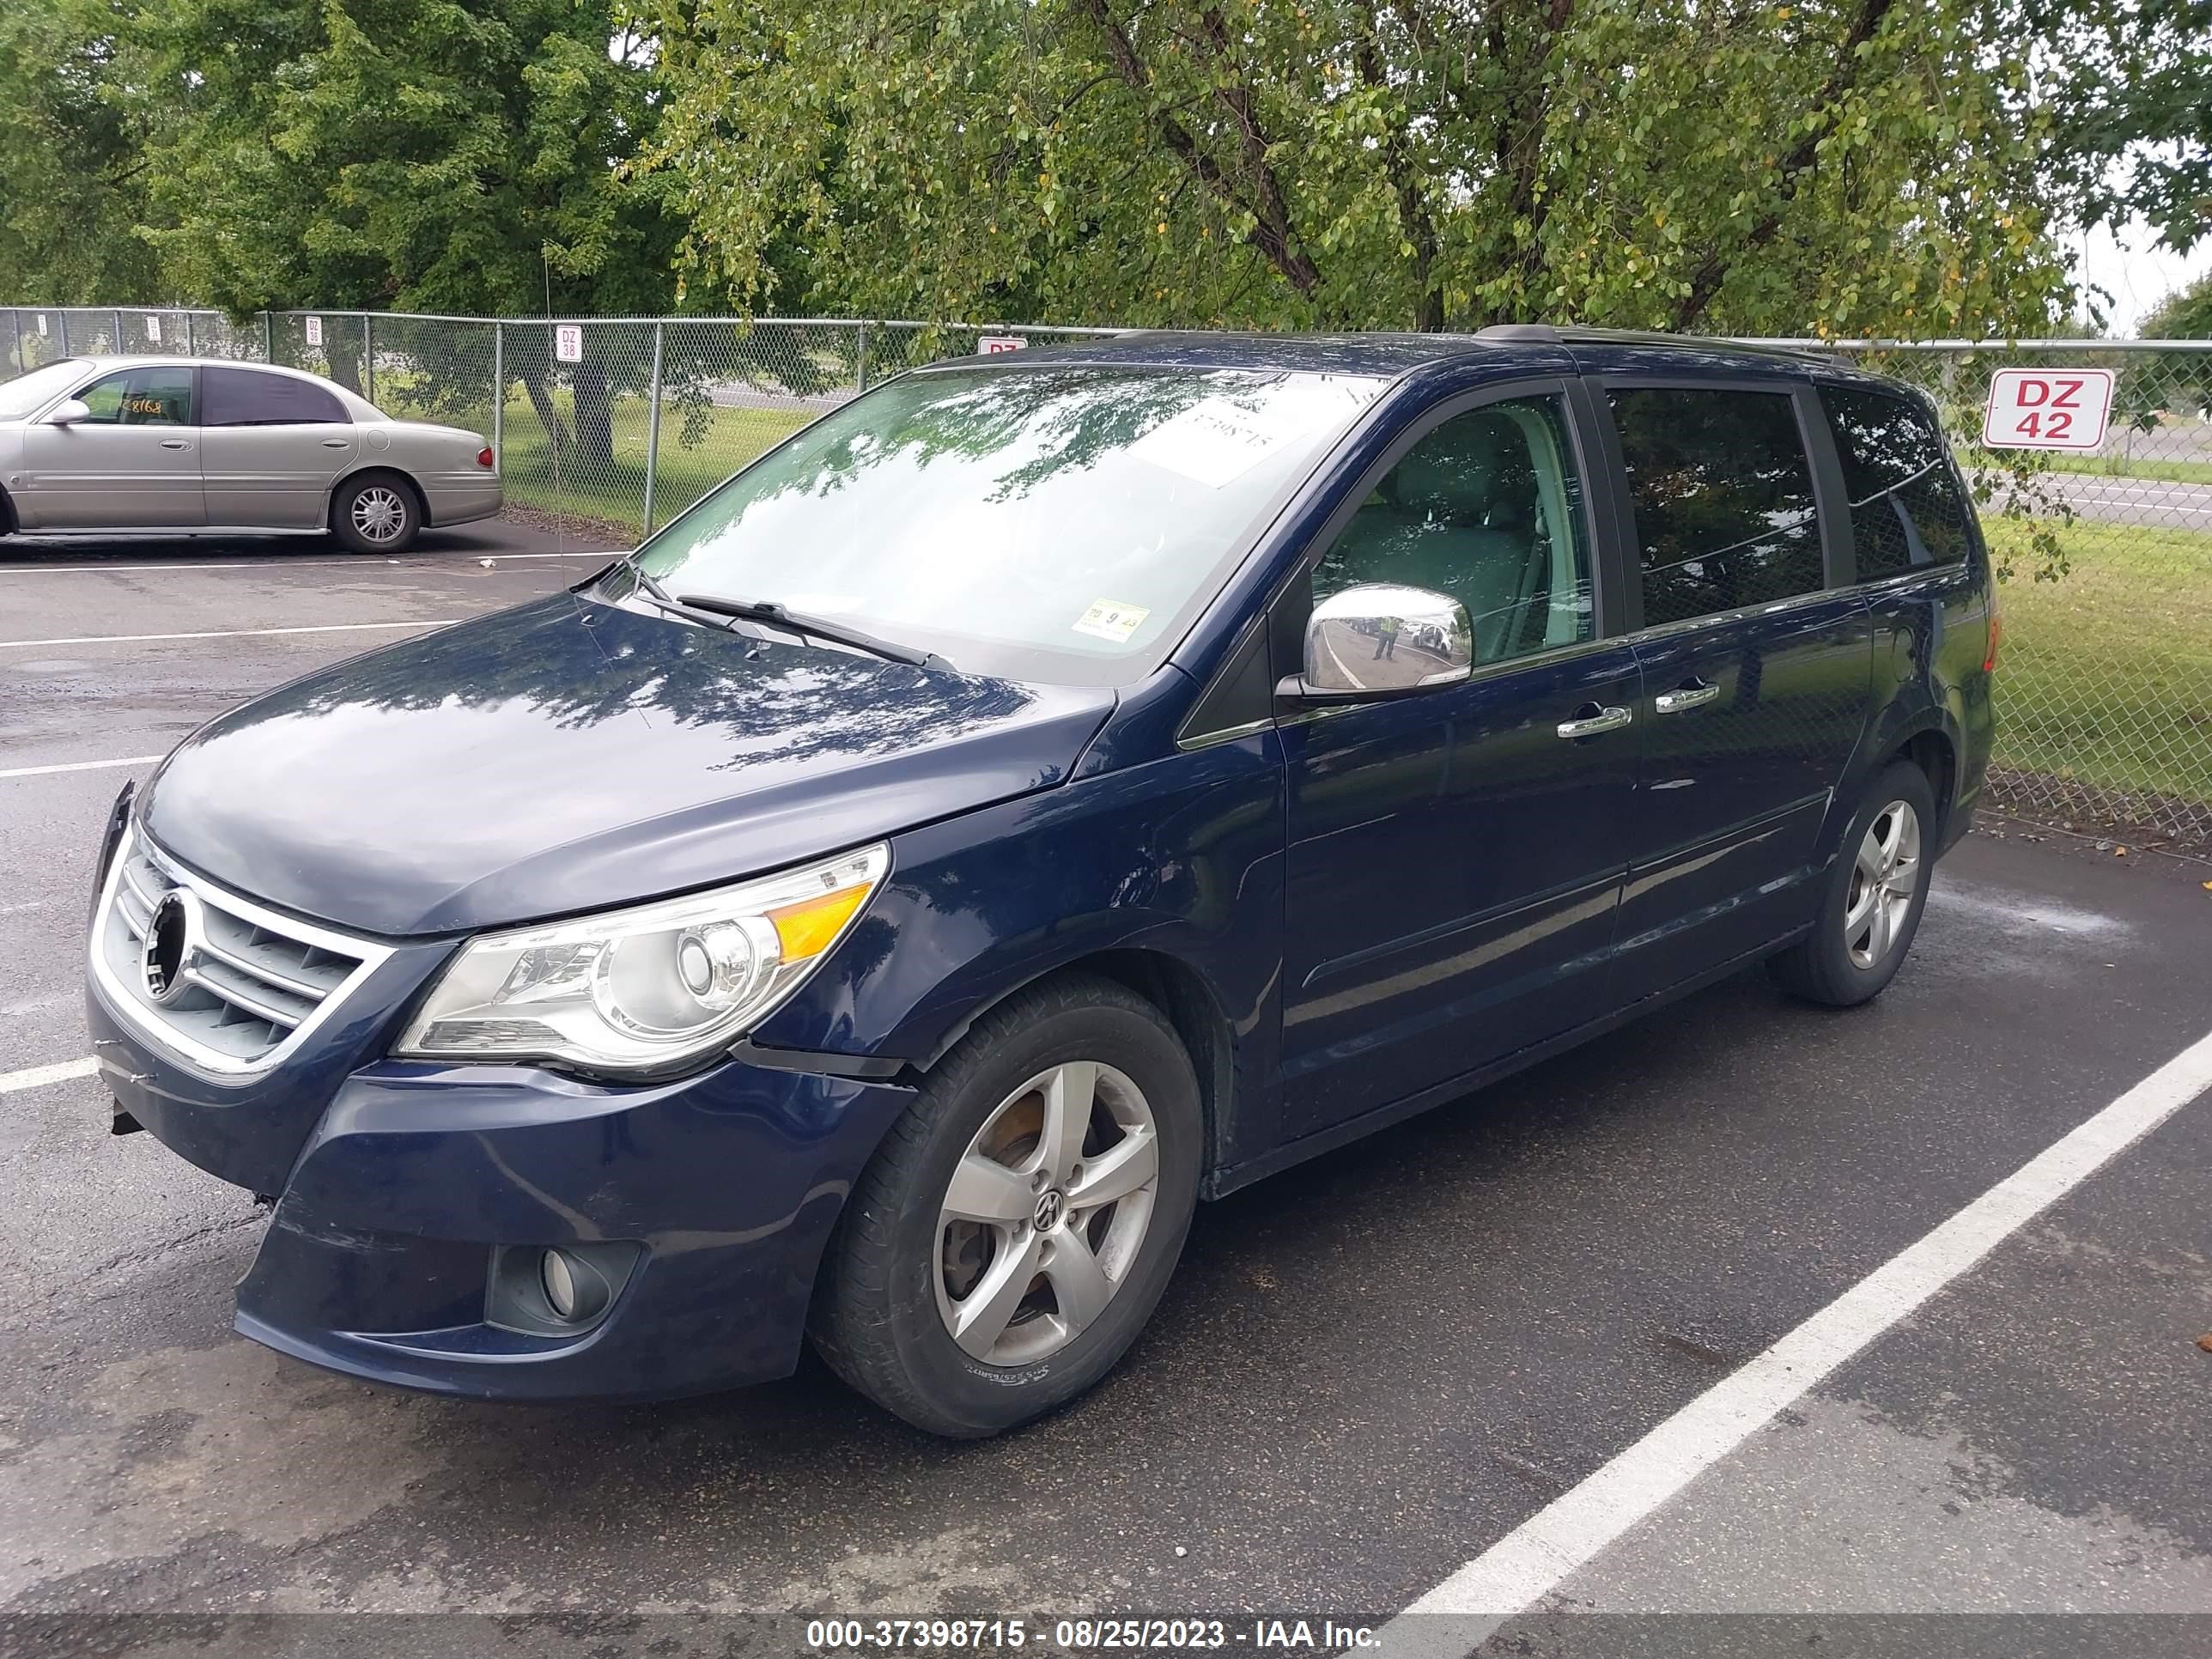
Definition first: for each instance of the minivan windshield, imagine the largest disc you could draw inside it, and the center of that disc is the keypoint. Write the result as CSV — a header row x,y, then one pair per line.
x,y
1055,523
26,392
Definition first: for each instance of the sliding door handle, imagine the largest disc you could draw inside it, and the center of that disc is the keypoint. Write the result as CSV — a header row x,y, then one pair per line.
x,y
1608,719
1684,696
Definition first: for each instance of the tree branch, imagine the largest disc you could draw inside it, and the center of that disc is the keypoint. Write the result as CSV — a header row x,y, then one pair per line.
x,y
1270,232
1713,270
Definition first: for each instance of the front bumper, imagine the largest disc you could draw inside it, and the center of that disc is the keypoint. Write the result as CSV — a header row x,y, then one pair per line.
x,y
377,1259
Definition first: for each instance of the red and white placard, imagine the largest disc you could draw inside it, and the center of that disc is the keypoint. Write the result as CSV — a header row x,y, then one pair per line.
x,y
568,342
2047,408
990,345
314,330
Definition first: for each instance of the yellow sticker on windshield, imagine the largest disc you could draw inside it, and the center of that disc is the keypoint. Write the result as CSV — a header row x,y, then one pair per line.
x,y
1110,619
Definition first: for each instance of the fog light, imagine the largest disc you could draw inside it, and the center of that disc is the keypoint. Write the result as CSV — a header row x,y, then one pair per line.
x,y
557,1289
559,1280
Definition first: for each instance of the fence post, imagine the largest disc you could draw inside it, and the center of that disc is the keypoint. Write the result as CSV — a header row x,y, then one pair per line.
x,y
653,427
860,358
61,321
118,333
499,395
367,360
268,336
16,340
192,338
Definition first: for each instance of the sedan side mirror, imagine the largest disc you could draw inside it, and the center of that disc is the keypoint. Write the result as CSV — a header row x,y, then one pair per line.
x,y
69,412
1379,638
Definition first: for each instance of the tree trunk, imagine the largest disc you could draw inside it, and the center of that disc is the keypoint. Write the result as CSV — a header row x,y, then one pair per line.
x,y
534,382
595,422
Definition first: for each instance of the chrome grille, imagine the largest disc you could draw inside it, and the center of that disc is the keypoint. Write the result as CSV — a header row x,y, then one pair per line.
x,y
249,983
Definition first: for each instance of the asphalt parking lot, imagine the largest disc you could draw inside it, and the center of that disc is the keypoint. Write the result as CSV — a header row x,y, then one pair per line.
x,y
1371,1375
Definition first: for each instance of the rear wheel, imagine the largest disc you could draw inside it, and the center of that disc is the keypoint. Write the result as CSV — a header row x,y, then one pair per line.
x,y
1015,1231
1871,907
375,514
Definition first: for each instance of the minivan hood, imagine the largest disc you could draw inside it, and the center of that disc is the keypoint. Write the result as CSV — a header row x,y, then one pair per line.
x,y
567,755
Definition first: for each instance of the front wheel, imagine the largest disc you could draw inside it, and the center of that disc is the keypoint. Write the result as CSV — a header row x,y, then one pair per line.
x,y
376,515
1870,906
1015,1231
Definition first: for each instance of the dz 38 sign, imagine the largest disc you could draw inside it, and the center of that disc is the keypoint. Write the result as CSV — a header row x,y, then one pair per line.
x,y
2047,408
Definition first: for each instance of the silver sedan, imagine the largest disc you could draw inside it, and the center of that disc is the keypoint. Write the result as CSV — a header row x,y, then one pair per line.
x,y
92,445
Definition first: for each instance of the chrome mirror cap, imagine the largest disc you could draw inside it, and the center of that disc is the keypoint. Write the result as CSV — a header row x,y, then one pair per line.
x,y
1382,637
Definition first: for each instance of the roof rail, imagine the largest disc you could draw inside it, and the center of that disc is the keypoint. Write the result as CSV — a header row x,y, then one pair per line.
x,y
1542,332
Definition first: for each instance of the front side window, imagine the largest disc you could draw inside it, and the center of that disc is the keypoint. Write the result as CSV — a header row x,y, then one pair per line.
x,y
1487,510
1907,509
1059,523
246,396
1723,499
140,397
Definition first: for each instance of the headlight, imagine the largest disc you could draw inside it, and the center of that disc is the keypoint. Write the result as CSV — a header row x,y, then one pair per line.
x,y
648,989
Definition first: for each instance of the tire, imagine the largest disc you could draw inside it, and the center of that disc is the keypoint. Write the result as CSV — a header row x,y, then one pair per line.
x,y
1855,949
377,513
901,1272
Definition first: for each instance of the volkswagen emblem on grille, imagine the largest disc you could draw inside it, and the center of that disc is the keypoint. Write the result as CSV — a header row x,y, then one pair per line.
x,y
172,936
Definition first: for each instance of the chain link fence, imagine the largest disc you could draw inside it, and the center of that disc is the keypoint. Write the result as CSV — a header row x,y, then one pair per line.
x,y
2104,556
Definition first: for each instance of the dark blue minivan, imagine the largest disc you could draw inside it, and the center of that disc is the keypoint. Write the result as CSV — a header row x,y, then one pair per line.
x,y
1039,794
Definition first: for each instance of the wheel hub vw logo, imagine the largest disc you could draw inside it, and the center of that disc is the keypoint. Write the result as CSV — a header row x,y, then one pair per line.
x,y
1049,1210
172,937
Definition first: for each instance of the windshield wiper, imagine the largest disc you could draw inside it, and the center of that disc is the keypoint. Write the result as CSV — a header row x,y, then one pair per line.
x,y
715,611
820,628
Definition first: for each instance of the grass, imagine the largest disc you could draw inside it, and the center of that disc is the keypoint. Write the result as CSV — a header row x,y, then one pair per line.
x,y
2135,466
614,491
2106,673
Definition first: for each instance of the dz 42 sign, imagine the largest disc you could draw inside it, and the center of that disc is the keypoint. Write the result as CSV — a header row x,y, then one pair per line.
x,y
2047,408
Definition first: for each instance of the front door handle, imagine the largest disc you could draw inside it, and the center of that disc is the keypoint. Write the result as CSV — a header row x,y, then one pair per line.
x,y
175,443
1610,719
1684,696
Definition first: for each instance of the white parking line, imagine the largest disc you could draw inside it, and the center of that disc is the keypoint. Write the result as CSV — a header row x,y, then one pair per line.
x,y
78,766
1536,1557
226,633
39,1076
278,563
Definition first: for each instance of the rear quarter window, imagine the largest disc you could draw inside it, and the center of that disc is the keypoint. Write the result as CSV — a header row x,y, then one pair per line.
x,y
1907,509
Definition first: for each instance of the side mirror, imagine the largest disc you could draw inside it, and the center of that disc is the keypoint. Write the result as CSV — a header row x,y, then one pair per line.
x,y
69,412
1381,637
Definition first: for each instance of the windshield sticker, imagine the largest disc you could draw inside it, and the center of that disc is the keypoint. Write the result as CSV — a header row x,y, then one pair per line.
x,y
1220,440
1110,619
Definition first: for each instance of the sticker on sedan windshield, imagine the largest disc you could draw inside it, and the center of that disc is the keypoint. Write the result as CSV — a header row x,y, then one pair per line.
x,y
1107,619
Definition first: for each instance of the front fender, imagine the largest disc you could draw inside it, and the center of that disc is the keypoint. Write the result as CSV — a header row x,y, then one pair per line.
x,y
1181,856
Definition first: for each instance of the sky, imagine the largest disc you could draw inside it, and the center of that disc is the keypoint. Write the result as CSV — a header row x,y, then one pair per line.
x,y
2138,276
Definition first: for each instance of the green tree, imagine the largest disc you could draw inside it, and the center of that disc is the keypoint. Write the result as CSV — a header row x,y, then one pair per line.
x,y
1860,166
2129,86
72,175
415,154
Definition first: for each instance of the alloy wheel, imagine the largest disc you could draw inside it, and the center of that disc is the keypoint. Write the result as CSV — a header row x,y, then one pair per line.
x,y
378,513
1884,878
1046,1212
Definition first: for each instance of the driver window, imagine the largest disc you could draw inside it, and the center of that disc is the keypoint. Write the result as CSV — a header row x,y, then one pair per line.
x,y
1487,510
140,397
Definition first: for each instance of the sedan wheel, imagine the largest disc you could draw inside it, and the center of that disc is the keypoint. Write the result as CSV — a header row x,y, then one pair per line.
x,y
376,515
